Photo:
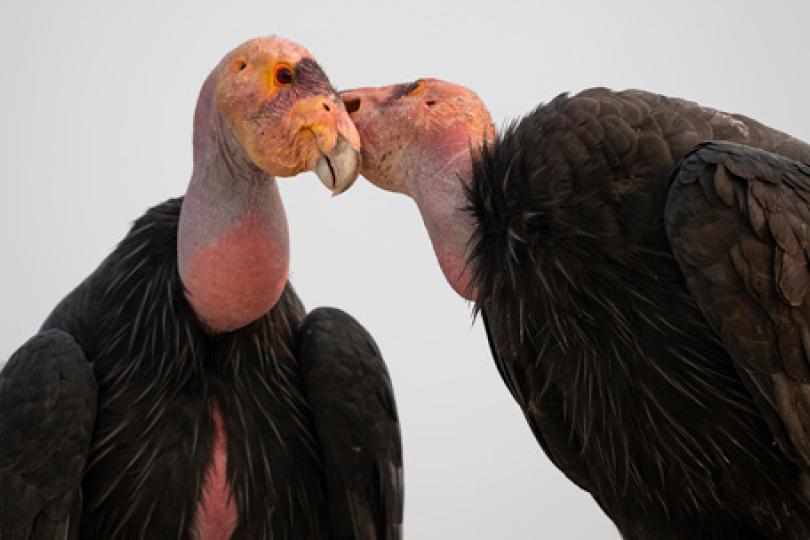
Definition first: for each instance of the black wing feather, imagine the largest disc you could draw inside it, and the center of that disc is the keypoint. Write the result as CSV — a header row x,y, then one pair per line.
x,y
47,412
355,415
738,220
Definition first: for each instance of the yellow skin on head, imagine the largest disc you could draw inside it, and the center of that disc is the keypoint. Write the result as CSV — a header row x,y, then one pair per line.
x,y
259,85
265,111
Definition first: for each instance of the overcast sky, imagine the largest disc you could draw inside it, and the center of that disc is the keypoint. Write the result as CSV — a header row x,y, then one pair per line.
x,y
96,106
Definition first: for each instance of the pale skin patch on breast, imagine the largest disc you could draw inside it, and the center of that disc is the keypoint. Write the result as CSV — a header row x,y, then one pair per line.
x,y
216,511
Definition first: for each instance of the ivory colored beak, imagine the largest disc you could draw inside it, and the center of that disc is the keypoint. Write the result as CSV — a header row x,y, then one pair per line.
x,y
339,167
336,137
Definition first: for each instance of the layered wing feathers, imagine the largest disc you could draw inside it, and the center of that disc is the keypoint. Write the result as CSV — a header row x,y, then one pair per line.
x,y
738,219
355,415
47,412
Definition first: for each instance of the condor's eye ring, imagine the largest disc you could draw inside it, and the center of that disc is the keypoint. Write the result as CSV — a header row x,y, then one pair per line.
x,y
283,75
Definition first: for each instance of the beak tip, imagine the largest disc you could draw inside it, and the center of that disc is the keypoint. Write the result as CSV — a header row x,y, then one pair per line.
x,y
339,168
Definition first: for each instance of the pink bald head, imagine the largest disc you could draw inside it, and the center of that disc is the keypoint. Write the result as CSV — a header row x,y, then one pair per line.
x,y
419,139
409,129
267,110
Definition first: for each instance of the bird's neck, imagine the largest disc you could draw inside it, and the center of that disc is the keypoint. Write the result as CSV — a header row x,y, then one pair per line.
x,y
233,249
440,195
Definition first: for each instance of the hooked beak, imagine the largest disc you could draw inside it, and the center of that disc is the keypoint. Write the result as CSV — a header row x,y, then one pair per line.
x,y
339,167
338,144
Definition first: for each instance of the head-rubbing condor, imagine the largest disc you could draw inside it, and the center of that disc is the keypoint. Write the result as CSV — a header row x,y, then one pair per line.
x,y
640,263
181,391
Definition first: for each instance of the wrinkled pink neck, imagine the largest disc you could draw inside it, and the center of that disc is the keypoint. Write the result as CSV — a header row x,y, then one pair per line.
x,y
234,261
232,243
441,200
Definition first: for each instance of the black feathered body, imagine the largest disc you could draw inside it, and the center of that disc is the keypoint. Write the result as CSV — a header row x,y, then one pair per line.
x,y
158,376
357,425
626,387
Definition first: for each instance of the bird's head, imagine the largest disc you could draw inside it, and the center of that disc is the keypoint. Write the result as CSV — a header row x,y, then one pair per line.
x,y
266,110
419,139
270,103
411,130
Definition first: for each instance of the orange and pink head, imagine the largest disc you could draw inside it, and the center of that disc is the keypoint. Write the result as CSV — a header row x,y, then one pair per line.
x,y
283,112
408,130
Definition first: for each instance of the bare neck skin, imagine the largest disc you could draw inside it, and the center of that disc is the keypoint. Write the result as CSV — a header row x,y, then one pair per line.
x,y
232,243
438,188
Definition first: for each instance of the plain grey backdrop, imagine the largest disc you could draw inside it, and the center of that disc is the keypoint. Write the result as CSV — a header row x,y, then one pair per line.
x,y
96,106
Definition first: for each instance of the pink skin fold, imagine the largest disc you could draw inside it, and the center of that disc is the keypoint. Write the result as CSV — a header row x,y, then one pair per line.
x,y
216,513
419,139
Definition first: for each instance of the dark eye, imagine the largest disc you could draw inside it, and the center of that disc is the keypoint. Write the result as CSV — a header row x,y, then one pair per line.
x,y
284,75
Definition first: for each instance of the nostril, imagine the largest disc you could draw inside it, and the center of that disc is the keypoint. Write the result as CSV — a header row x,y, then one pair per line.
x,y
352,105
326,107
430,102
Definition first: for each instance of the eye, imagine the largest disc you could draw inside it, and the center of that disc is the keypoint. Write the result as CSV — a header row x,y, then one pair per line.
x,y
283,75
240,65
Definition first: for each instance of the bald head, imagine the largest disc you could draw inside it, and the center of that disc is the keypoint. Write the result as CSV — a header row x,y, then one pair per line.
x,y
272,100
419,139
266,110
410,129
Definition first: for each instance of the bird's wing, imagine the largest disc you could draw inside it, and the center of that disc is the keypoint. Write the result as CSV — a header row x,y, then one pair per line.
x,y
355,415
738,221
47,412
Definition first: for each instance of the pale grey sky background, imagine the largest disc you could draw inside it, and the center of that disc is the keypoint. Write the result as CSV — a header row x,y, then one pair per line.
x,y
96,106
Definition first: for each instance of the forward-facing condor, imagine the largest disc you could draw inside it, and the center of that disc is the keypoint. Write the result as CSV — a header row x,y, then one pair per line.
x,y
180,391
644,291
